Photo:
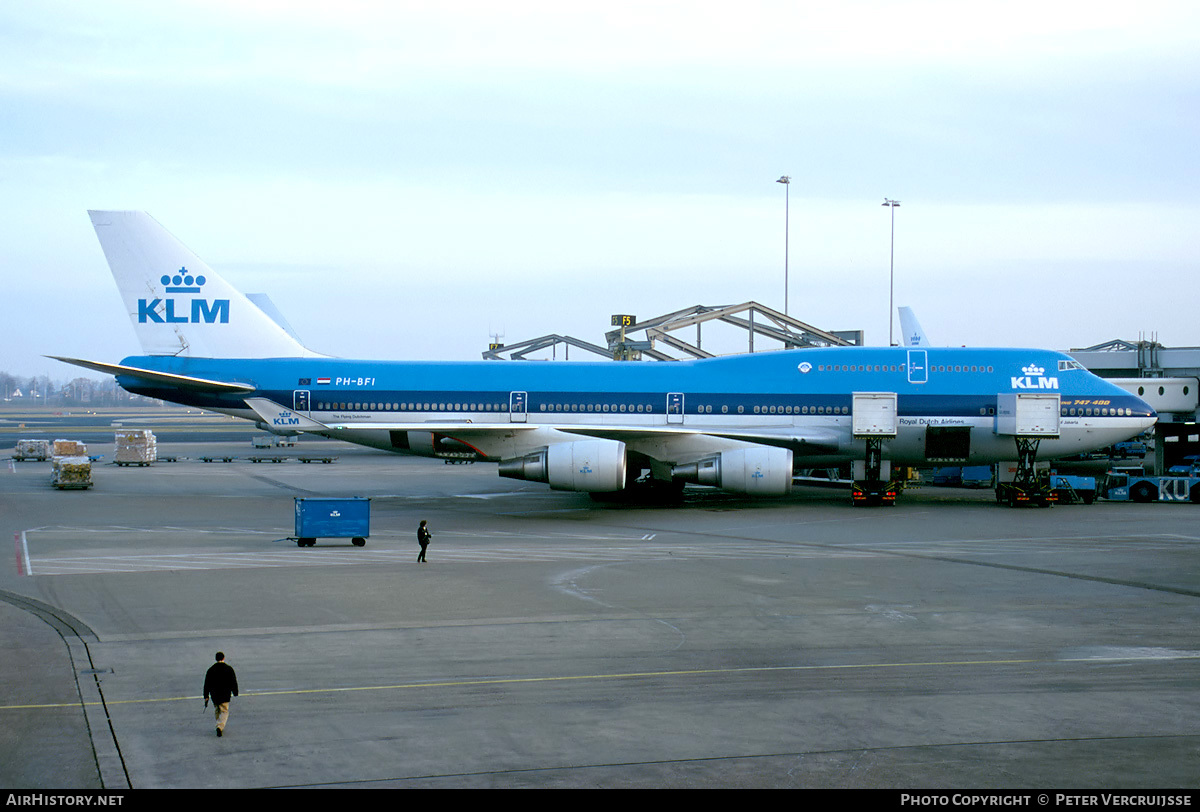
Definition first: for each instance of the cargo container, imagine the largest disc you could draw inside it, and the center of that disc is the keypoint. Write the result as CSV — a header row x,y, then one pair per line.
x,y
332,517
71,473
32,450
135,447
1027,414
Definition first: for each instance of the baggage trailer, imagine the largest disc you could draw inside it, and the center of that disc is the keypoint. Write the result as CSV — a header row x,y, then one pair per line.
x,y
332,517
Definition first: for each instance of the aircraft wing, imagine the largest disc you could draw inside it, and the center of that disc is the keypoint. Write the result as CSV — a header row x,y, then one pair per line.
x,y
282,417
188,382
807,442
811,441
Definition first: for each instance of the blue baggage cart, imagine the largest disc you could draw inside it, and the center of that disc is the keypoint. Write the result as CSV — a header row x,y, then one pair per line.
x,y
332,517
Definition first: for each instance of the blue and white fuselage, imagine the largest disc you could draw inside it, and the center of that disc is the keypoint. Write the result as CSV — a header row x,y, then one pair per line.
x,y
594,425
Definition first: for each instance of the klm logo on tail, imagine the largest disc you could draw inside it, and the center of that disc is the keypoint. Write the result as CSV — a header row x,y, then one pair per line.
x,y
198,311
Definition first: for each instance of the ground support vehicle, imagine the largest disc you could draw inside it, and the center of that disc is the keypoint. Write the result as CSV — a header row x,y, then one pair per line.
x,y
1136,486
1024,484
1036,491
1071,490
869,492
873,420
1129,448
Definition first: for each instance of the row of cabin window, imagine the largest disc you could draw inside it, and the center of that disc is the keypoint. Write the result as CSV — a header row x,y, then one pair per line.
x,y
570,407
702,409
897,368
1095,411
1071,411
964,368
415,407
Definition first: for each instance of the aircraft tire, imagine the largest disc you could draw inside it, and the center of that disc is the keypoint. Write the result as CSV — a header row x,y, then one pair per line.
x,y
360,542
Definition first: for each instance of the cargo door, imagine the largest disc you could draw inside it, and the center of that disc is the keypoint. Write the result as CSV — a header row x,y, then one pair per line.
x,y
947,443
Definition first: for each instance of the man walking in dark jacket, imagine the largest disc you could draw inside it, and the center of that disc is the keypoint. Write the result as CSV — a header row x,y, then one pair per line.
x,y
221,684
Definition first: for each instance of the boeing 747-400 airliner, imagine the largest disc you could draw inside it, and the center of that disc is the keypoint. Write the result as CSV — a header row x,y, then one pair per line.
x,y
744,423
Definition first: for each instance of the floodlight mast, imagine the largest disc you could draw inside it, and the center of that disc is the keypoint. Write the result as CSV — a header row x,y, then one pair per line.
x,y
892,204
786,180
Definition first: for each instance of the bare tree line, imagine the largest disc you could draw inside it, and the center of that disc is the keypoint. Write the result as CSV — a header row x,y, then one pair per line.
x,y
46,391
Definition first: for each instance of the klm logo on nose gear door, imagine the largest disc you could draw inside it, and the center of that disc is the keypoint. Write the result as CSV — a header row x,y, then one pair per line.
x,y
183,311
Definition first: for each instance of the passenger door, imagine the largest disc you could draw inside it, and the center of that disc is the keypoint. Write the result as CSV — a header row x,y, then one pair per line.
x,y
674,407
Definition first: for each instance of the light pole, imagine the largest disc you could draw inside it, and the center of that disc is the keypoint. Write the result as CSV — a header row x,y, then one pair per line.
x,y
892,204
786,180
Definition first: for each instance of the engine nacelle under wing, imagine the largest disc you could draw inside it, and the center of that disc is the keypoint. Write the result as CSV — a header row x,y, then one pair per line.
x,y
589,465
760,471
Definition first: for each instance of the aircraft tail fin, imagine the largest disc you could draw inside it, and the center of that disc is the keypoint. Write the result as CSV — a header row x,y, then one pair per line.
x,y
179,305
911,330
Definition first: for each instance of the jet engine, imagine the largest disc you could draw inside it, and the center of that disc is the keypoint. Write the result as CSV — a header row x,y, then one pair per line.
x,y
759,471
588,465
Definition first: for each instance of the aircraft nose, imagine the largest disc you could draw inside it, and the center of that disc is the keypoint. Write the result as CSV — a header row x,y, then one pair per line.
x,y
1143,410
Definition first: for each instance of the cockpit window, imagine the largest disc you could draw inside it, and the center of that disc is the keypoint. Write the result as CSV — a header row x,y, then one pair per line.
x,y
1068,363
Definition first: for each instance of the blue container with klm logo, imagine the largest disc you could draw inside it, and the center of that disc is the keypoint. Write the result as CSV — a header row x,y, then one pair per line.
x,y
331,517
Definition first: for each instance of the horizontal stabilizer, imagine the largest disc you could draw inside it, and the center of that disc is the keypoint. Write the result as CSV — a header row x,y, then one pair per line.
x,y
151,376
281,417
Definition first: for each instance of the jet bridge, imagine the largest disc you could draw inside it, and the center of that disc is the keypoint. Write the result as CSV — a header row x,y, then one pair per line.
x,y
659,338
757,320
519,351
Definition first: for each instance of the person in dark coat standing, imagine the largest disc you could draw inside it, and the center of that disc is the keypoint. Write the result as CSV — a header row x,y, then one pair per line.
x,y
220,683
423,537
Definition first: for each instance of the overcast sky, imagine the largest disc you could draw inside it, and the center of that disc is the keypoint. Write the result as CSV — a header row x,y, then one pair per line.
x,y
406,178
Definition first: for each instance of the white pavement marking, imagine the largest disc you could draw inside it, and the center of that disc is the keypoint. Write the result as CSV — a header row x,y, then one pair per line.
x,y
463,548
580,549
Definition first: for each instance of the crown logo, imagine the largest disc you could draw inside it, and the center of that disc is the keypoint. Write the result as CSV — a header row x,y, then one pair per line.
x,y
182,282
1033,369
